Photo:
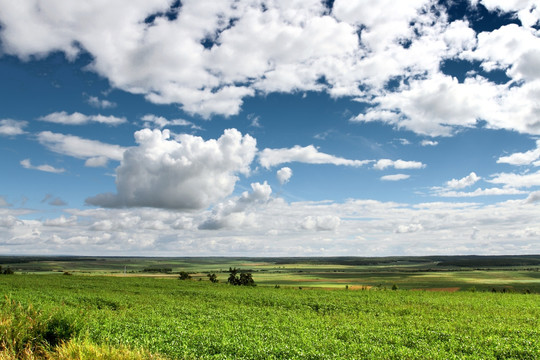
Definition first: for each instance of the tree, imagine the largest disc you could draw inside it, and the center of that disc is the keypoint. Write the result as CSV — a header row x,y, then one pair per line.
x,y
212,278
244,279
184,276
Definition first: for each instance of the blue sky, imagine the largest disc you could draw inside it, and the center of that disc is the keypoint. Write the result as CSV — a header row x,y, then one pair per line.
x,y
270,128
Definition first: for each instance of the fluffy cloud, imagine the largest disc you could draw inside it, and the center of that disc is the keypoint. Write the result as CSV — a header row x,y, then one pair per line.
x,y
188,55
77,118
10,127
234,212
321,223
96,152
410,228
188,173
266,226
468,180
525,158
512,180
398,164
308,154
533,197
284,175
46,168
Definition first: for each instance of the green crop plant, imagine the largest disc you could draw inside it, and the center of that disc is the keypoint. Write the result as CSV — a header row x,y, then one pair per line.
x,y
199,320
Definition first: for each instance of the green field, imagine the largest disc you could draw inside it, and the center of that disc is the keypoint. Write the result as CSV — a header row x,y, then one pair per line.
x,y
499,273
116,308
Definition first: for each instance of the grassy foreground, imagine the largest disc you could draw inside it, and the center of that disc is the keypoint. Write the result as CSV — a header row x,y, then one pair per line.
x,y
93,317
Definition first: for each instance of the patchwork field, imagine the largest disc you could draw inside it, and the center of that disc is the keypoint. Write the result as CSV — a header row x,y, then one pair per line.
x,y
499,273
126,308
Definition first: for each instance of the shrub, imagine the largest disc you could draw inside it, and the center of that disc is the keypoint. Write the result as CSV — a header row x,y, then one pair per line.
x,y
184,276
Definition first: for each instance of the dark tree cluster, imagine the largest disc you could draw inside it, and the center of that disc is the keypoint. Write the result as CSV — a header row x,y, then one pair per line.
x,y
7,271
213,278
184,276
239,278
158,270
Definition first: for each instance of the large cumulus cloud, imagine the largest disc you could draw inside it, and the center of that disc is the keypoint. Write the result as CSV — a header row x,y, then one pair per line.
x,y
185,173
208,56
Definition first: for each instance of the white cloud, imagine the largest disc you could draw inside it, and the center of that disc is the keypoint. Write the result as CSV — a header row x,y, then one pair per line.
x,y
96,152
481,192
436,106
255,120
321,223
153,121
468,180
235,213
10,127
429,143
404,141
398,164
100,103
267,226
46,168
61,221
410,228
395,177
77,118
533,197
288,47
308,154
188,173
526,158
516,180
284,175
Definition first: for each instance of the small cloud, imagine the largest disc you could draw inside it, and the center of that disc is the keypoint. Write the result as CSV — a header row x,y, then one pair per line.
x,y
98,161
482,192
308,155
323,135
62,117
410,228
57,202
153,121
46,168
3,202
80,148
60,221
524,158
10,127
395,177
429,143
398,164
284,175
321,223
404,141
468,180
255,120
53,201
100,104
